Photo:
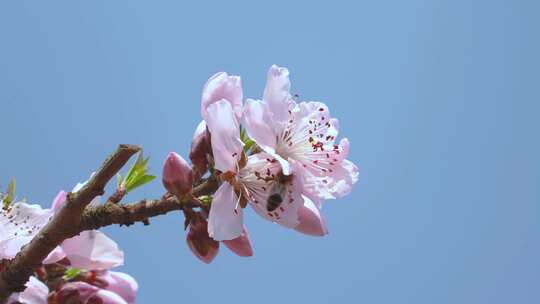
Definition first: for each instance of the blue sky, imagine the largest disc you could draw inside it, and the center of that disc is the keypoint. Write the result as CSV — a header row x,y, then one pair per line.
x,y
439,100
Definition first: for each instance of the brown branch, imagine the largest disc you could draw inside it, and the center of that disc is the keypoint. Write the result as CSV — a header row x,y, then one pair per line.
x,y
127,214
63,225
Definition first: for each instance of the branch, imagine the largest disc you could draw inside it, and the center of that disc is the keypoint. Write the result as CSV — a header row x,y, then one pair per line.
x,y
111,213
63,225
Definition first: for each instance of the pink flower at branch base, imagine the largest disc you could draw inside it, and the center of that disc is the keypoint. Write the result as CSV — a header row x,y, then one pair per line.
x,y
89,250
35,293
177,175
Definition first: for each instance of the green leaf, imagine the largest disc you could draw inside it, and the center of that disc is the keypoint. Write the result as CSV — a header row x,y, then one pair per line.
x,y
137,174
248,142
143,180
8,199
71,273
206,199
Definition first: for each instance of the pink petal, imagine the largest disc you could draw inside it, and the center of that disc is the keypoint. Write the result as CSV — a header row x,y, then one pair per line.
x,y
276,93
36,292
259,124
225,221
18,225
93,250
121,284
222,86
343,179
310,219
240,245
107,297
335,185
56,255
225,135
59,200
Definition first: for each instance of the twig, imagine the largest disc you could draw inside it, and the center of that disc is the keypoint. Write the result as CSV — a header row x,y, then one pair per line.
x,y
128,214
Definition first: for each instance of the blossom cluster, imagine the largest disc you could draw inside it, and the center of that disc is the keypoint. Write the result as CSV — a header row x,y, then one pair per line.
x,y
77,271
277,154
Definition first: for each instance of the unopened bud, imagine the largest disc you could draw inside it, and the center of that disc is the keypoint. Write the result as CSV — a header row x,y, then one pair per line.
x,y
240,245
200,148
177,175
75,292
201,244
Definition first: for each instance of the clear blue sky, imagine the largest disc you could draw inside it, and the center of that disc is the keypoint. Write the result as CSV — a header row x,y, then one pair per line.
x,y
440,100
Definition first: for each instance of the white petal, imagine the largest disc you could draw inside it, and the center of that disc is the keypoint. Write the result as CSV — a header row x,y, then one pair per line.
x,y
18,225
259,125
36,292
93,250
225,221
276,93
225,135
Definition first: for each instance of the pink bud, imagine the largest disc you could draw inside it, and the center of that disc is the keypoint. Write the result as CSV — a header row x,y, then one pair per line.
x,y
311,220
200,148
240,245
75,292
177,175
201,244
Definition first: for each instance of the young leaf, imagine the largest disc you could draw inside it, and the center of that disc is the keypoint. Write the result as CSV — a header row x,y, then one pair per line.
x,y
145,179
137,174
248,142
8,199
206,199
71,273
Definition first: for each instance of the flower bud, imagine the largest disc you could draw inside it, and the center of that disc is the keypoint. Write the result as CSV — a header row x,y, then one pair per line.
x,y
310,220
200,149
75,292
240,245
199,242
177,175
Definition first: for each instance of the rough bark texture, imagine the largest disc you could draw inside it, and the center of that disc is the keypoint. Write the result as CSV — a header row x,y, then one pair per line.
x,y
127,214
65,223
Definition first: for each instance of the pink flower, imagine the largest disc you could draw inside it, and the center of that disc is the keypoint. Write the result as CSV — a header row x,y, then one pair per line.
x,y
177,175
89,250
35,293
253,180
304,133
